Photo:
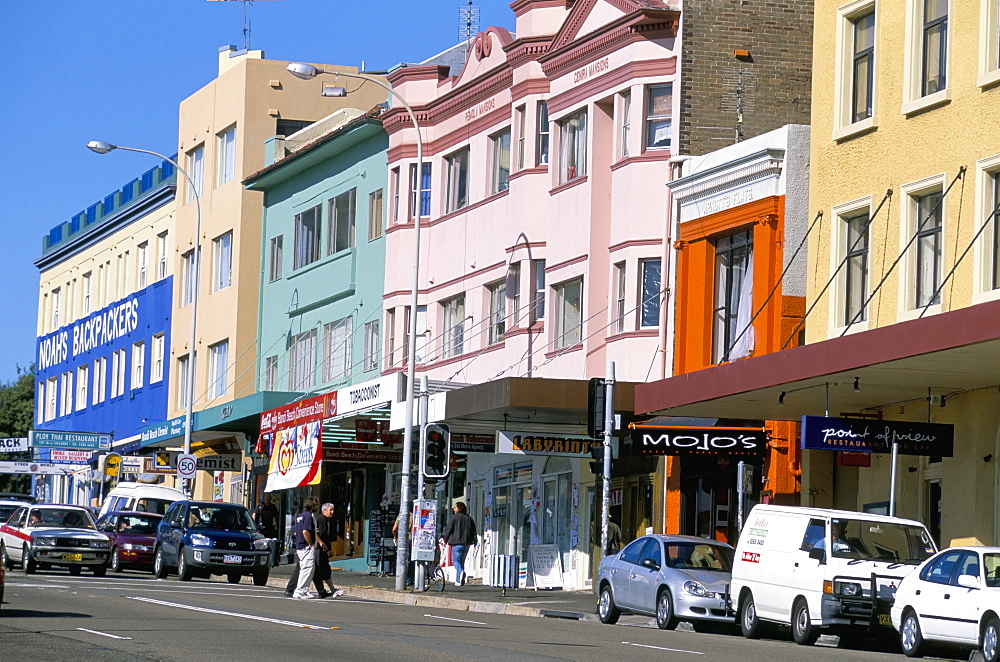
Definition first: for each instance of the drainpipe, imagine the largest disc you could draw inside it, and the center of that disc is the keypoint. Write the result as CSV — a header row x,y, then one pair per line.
x,y
674,167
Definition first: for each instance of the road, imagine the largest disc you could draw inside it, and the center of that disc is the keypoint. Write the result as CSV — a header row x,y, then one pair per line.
x,y
132,616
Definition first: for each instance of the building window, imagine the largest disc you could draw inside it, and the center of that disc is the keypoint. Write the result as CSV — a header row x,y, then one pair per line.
x,y
422,336
56,307
513,290
86,293
307,237
856,267
100,379
649,293
183,375
863,65
929,217
542,139
117,373
375,219
142,258
500,148
733,280
226,162
138,364
390,337
424,191
82,382
993,179
196,171
337,349
66,397
188,281
537,290
989,42
520,112
161,259
218,369
394,187
159,352
270,373
222,262
498,311
626,120
934,56
52,395
619,297
453,323
370,361
568,313
573,147
659,101
341,222
122,282
302,356
457,192
274,258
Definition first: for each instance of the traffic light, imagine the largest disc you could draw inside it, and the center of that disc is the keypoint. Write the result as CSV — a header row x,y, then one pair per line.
x,y
597,452
436,461
595,407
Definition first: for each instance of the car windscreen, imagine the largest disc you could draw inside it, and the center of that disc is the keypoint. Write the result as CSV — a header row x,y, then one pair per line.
x,y
698,556
867,540
138,524
62,517
220,517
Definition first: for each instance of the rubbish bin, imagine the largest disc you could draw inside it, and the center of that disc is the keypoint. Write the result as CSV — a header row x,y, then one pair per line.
x,y
503,571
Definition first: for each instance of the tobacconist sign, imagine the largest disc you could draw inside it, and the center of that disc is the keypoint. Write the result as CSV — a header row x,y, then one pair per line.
x,y
680,440
868,436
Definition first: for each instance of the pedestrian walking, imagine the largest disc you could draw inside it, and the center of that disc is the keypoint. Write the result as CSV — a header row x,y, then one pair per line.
x,y
324,538
305,543
266,517
461,535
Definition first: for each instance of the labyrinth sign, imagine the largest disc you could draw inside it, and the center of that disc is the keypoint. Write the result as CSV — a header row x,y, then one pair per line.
x,y
659,440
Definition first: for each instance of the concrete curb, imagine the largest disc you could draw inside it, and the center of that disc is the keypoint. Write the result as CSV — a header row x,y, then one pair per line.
x,y
442,601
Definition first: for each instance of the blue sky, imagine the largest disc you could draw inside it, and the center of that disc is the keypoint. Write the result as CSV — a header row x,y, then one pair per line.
x,y
116,71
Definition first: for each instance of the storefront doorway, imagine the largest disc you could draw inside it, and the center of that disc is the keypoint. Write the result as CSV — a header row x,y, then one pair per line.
x,y
557,506
345,489
708,497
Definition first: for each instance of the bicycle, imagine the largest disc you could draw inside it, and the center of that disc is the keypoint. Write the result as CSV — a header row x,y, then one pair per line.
x,y
433,572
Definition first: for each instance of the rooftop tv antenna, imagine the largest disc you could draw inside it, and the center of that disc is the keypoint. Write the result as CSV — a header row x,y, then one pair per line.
x,y
246,20
468,24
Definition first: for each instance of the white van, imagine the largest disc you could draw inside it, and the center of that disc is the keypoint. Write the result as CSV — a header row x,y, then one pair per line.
x,y
822,570
141,497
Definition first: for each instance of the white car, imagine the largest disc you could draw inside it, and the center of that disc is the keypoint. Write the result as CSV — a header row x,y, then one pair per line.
x,y
952,599
40,536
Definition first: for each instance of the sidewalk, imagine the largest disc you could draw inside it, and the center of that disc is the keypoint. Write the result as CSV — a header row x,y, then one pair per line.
x,y
575,605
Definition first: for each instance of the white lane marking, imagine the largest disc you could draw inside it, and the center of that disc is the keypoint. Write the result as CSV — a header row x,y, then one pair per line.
x,y
661,648
36,585
103,634
457,620
235,614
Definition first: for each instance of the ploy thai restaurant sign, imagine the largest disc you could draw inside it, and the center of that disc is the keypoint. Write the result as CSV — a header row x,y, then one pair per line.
x,y
295,435
869,436
683,440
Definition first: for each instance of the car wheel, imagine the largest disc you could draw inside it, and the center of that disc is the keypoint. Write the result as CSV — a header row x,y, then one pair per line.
x,y
803,631
234,577
183,569
606,609
100,570
665,619
116,561
703,627
28,563
159,564
910,637
5,558
749,623
75,570
991,640
260,578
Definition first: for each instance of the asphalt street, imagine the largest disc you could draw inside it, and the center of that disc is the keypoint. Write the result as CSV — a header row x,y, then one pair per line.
x,y
54,616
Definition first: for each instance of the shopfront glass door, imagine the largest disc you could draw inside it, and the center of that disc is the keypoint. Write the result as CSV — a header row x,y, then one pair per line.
x,y
556,508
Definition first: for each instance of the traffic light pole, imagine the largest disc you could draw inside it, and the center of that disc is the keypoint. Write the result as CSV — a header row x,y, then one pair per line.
x,y
418,579
609,427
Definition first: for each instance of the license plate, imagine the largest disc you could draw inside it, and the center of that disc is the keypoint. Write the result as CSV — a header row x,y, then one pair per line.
x,y
884,619
232,558
72,557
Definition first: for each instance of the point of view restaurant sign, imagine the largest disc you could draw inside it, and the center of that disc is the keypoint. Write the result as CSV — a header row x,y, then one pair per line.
x,y
874,436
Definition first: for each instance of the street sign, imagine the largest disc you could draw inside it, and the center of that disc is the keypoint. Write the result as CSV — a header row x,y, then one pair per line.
x,y
69,457
14,445
83,441
163,460
187,466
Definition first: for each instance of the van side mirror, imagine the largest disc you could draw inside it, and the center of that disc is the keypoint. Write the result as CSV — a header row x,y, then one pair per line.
x,y
968,581
819,554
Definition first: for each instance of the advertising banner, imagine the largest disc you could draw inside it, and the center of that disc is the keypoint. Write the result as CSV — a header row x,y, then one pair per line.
x,y
657,440
424,530
868,436
14,445
296,446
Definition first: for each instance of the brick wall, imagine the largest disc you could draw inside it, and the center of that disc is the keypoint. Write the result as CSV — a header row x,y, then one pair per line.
x,y
775,79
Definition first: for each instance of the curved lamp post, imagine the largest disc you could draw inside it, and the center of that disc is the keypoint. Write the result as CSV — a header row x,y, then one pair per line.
x,y
102,147
307,72
531,302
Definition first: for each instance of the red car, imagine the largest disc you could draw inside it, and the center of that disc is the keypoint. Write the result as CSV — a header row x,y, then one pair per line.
x,y
133,535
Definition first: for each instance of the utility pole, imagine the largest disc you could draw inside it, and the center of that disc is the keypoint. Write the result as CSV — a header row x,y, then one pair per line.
x,y
609,426
418,572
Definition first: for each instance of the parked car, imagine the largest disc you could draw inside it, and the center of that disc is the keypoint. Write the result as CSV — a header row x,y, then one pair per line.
x,y
133,536
673,578
41,536
141,497
952,599
206,538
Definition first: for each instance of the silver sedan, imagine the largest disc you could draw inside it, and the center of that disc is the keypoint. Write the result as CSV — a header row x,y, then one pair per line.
x,y
674,578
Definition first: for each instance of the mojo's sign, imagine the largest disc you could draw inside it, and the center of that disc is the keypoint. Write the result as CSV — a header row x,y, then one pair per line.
x,y
658,440
867,436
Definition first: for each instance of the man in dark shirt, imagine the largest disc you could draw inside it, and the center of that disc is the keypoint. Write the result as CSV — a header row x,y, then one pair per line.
x,y
324,538
461,535
266,517
305,541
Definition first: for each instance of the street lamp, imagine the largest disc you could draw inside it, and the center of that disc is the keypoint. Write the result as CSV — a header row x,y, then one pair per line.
x,y
531,302
307,72
102,147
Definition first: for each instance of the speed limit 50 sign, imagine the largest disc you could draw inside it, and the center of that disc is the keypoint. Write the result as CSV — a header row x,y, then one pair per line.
x,y
187,465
